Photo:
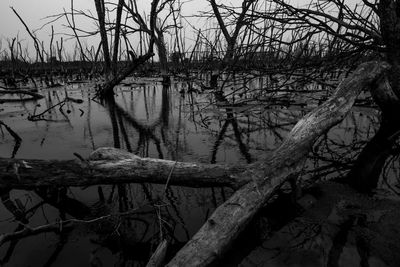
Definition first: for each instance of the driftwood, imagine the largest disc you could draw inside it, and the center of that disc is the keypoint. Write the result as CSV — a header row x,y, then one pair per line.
x,y
112,166
229,219
158,257
109,166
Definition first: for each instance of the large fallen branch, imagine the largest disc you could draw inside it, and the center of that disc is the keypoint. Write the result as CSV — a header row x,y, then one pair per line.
x,y
158,256
229,219
108,166
112,166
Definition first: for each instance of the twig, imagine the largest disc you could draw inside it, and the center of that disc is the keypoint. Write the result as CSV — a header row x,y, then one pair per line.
x,y
17,138
54,226
29,32
169,177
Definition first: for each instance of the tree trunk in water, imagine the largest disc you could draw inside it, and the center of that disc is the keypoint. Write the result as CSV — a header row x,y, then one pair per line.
x,y
365,173
230,49
103,33
229,219
106,89
162,53
113,166
389,14
117,36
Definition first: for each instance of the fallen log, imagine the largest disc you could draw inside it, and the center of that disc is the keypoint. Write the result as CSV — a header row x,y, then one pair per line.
x,y
113,166
158,257
33,95
230,218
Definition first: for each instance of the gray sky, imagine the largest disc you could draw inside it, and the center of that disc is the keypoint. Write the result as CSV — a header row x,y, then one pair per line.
x,y
33,12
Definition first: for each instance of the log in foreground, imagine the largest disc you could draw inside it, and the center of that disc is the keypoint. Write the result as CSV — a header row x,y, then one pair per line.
x,y
158,257
229,219
112,166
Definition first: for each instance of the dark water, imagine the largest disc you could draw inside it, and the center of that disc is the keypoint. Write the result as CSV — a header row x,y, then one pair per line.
x,y
151,120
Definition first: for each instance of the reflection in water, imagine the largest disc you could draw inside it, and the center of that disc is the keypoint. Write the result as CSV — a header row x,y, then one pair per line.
x,y
181,122
379,158
16,137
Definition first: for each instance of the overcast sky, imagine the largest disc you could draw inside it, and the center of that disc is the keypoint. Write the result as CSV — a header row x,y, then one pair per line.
x,y
34,12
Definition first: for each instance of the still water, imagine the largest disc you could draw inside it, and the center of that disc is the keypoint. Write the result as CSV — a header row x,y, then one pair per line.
x,y
183,122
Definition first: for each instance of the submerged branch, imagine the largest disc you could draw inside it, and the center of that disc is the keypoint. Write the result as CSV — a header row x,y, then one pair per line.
x,y
57,226
33,95
230,218
16,137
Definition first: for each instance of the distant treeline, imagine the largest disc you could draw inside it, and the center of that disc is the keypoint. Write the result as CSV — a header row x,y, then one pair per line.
x,y
249,61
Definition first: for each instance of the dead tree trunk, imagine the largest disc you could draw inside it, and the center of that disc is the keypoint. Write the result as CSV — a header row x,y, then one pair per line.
x,y
113,166
106,89
231,39
229,219
162,52
221,229
100,9
389,15
364,175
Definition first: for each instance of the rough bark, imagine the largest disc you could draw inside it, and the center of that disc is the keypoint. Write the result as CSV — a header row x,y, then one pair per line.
x,y
229,219
366,171
112,166
389,15
162,51
364,175
158,257
385,97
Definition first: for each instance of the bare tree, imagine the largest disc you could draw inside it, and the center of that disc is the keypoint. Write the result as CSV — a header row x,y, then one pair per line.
x,y
368,28
114,77
160,27
231,37
34,38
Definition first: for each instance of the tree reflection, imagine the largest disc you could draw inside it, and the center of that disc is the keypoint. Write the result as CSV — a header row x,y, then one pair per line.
x,y
185,122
